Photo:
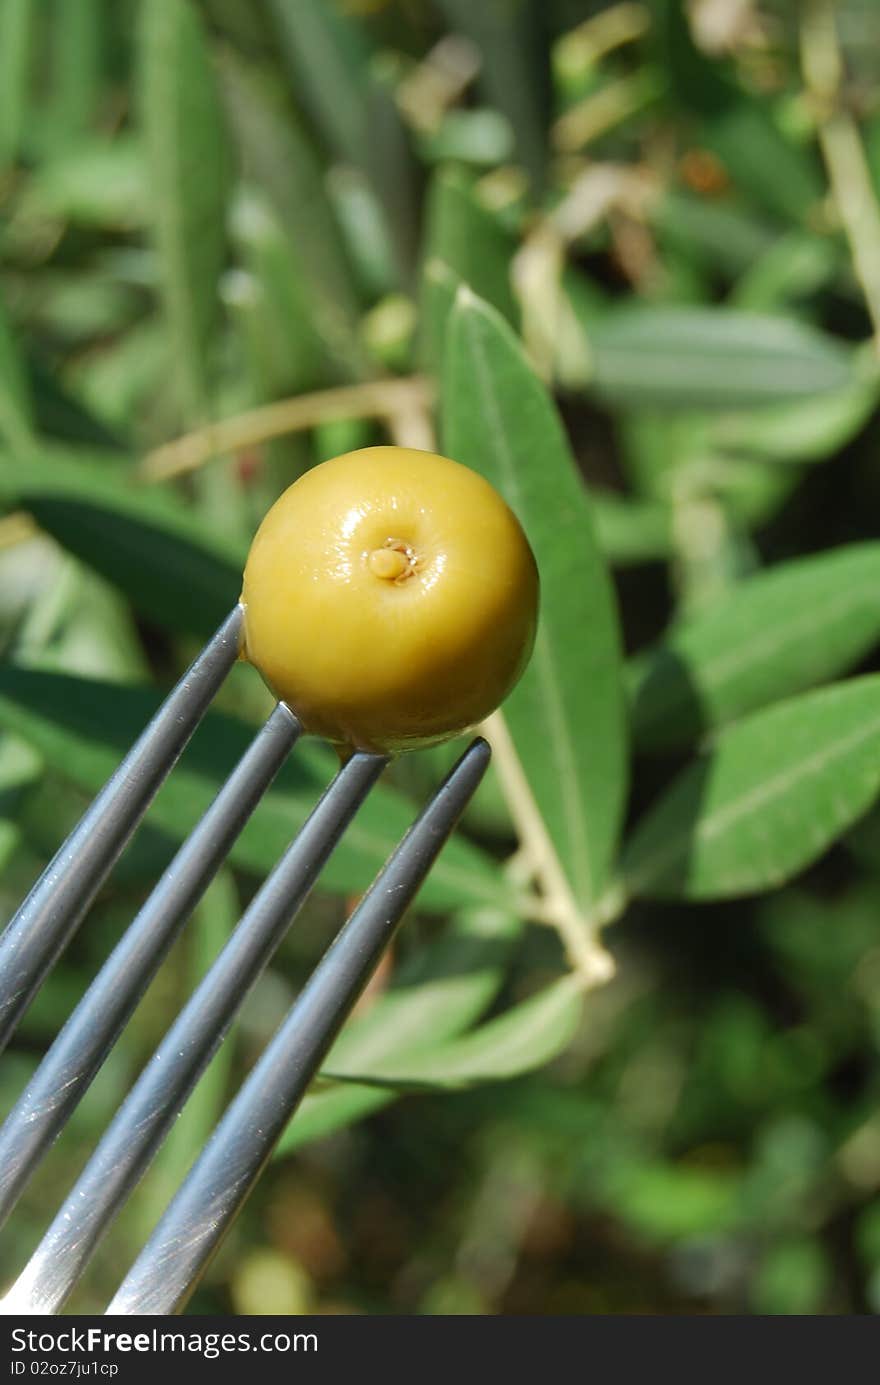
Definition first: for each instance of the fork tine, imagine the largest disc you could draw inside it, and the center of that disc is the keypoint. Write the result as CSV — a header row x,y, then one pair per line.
x,y
49,916
164,1274
157,1096
82,1045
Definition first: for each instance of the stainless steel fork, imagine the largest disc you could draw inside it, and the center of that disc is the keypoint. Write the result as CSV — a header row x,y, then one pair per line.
x,y
164,1274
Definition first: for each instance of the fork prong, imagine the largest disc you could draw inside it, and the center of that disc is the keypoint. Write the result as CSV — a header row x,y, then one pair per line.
x,y
49,916
143,1119
164,1274
82,1045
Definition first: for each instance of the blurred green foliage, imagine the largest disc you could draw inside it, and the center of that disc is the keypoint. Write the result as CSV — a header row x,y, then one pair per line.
x,y
617,246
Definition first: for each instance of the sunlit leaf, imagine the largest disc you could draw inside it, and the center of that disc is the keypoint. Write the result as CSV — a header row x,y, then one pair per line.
x,y
567,713
775,634
771,795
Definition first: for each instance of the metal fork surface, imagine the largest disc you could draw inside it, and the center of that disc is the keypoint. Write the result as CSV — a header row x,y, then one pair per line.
x,y
164,1274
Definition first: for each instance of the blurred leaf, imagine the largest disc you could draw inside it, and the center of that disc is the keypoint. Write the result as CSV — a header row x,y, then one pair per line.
x,y
780,175
796,266
735,125
725,237
774,635
525,1037
189,176
84,727
336,77
567,713
270,301
656,447
277,156
707,357
811,430
672,1202
436,994
16,411
75,86
145,541
99,182
794,1277
16,35
62,415
466,239
631,531
770,796
513,39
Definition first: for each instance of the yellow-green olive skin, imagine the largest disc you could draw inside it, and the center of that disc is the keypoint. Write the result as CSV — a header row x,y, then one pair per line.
x,y
391,599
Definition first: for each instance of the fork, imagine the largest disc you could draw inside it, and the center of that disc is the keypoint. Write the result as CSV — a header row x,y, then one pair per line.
x,y
185,1238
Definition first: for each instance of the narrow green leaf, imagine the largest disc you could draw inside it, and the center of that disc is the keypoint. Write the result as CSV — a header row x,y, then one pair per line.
x,y
735,124
272,301
278,158
513,39
631,531
567,713
74,90
16,413
335,76
472,247
704,357
524,1038
145,541
16,36
796,266
812,430
189,177
99,182
725,237
84,727
436,994
770,796
799,624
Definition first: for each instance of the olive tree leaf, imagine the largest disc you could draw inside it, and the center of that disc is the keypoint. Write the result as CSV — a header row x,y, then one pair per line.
x,y
706,357
17,18
567,715
145,541
773,792
338,79
189,170
436,993
809,431
84,727
278,158
524,1038
512,36
773,635
464,244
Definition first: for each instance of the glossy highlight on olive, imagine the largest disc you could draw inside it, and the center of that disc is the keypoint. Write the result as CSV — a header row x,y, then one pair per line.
x,y
391,599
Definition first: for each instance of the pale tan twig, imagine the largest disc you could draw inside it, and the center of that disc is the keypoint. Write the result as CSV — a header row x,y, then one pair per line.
x,y
381,399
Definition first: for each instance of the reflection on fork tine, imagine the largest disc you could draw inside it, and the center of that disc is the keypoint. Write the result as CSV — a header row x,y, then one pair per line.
x,y
49,916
